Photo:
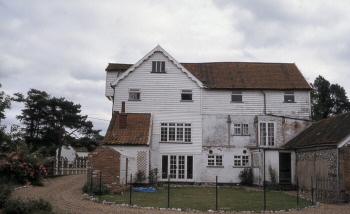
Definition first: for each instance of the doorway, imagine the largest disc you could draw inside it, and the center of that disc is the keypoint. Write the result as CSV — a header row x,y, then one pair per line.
x,y
285,174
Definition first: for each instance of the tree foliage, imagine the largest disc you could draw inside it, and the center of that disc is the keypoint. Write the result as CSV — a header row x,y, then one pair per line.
x,y
328,99
5,103
50,122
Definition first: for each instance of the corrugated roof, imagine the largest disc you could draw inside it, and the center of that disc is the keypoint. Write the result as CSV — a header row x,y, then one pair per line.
x,y
241,75
329,131
135,133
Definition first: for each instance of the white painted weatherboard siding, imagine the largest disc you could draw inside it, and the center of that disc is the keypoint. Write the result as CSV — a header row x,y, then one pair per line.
x,y
219,102
111,76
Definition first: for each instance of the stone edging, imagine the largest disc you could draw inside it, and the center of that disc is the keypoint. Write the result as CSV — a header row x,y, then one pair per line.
x,y
95,200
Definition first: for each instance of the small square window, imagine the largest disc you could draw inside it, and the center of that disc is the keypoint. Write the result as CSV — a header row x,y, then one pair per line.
x,y
186,95
134,95
289,97
158,67
245,129
236,96
237,129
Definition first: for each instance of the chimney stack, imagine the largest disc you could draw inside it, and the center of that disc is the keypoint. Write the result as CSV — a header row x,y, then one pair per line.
x,y
123,118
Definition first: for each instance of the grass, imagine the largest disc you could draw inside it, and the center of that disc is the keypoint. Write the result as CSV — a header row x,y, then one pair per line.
x,y
203,198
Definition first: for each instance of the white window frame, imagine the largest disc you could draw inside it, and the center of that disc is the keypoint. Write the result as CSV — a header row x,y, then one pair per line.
x,y
215,160
134,91
241,161
158,67
186,91
240,129
237,94
267,138
177,168
177,132
290,94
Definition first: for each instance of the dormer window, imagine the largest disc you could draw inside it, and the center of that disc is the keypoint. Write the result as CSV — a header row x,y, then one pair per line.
x,y
289,97
134,94
186,95
236,96
158,66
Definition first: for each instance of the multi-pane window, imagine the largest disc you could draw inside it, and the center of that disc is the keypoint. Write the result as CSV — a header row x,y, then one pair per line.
x,y
236,96
178,167
214,160
158,67
267,133
240,129
241,160
134,94
175,132
186,95
289,97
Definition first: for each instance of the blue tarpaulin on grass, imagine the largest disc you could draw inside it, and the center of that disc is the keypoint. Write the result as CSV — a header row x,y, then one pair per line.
x,y
144,189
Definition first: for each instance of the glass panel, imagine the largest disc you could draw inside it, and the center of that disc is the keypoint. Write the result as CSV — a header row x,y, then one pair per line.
x,y
171,131
245,160
189,167
164,132
181,172
271,134
172,166
188,133
237,129
211,161
164,166
263,134
218,160
179,132
245,129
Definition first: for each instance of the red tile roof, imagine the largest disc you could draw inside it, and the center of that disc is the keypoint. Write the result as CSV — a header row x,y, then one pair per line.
x,y
330,131
241,75
135,133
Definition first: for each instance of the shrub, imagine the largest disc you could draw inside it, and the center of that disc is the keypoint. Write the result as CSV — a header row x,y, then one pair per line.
x,y
140,176
30,207
246,176
5,192
95,189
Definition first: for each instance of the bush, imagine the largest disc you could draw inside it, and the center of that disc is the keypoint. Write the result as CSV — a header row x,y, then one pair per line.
x,y
5,192
140,177
95,189
246,176
30,207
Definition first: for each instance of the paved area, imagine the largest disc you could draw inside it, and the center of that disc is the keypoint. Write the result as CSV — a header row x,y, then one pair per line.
x,y
65,195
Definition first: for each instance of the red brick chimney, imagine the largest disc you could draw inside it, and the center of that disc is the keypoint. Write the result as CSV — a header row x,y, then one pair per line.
x,y
123,118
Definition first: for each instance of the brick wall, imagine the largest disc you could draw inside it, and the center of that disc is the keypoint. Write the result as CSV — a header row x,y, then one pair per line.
x,y
107,161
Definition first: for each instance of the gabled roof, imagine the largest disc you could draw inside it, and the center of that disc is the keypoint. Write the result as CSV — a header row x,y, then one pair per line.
x,y
136,132
232,75
327,132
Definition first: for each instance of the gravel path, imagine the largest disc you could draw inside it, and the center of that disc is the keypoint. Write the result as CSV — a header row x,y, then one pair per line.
x,y
65,195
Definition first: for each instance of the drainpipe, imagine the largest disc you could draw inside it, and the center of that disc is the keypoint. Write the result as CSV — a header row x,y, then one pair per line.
x,y
264,111
229,129
113,98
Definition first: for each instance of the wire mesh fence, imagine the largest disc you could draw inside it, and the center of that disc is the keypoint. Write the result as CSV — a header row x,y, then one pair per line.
x,y
211,196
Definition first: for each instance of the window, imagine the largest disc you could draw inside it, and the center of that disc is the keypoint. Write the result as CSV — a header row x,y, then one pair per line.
x,y
186,95
158,67
236,96
214,160
267,133
178,167
289,97
241,160
175,132
134,94
240,129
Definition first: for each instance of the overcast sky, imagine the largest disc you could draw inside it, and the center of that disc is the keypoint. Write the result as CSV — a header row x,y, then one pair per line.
x,y
63,47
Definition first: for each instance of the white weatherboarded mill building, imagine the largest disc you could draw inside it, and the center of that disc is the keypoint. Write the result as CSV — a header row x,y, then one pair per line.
x,y
195,121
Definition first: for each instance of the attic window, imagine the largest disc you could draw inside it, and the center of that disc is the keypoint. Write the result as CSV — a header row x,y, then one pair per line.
x,y
289,97
158,66
134,94
186,95
236,96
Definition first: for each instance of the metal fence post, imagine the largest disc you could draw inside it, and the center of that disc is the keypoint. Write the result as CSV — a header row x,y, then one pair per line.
x,y
100,182
216,193
264,183
168,191
297,193
130,190
312,191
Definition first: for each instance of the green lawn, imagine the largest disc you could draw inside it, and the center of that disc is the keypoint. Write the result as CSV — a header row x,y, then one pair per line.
x,y
203,198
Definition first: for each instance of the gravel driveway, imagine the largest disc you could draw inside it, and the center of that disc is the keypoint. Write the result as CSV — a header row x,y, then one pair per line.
x,y
65,195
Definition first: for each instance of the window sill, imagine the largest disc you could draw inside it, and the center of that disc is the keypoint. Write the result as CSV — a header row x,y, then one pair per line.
x,y
173,142
241,135
186,101
289,102
237,101
215,166
158,72
134,100
240,166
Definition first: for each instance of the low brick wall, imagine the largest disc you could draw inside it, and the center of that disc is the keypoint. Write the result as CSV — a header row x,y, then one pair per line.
x,y
106,161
